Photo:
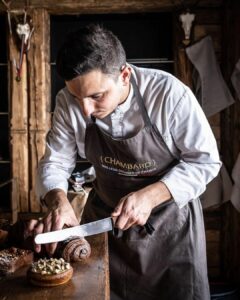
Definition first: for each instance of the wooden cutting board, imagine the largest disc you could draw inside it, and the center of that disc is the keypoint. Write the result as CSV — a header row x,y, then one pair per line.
x,y
90,279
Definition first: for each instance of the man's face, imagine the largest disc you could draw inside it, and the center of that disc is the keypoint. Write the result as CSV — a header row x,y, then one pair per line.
x,y
99,94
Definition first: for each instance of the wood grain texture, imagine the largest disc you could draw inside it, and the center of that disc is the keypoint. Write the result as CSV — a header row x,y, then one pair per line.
x,y
39,95
36,150
90,279
19,142
92,6
230,137
19,126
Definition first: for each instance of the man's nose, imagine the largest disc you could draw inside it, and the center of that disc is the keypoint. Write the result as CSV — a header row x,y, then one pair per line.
x,y
88,107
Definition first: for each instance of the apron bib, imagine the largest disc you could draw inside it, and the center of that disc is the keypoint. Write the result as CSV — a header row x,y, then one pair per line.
x,y
170,264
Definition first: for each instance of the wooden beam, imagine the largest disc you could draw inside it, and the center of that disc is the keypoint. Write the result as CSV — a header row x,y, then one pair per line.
x,y
39,95
105,6
19,126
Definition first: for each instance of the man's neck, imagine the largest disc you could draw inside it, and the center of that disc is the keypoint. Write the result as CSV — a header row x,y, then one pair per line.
x,y
125,93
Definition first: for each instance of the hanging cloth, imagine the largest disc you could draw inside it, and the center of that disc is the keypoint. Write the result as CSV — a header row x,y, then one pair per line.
x,y
210,87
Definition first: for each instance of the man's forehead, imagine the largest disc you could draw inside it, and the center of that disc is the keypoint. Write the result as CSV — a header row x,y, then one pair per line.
x,y
93,82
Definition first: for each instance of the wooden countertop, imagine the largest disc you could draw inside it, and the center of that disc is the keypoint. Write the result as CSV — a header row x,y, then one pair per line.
x,y
90,279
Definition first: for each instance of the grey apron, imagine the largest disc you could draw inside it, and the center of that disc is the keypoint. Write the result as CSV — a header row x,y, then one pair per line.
x,y
170,264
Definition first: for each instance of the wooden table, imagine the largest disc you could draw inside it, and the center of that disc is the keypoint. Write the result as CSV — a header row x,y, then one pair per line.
x,y
90,279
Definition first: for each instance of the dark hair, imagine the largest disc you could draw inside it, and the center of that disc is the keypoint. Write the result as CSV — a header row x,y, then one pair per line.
x,y
91,47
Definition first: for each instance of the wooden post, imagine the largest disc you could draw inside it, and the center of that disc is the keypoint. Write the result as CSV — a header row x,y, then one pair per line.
x,y
19,126
14,204
39,95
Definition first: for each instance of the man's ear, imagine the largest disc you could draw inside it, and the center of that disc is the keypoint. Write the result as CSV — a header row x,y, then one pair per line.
x,y
126,74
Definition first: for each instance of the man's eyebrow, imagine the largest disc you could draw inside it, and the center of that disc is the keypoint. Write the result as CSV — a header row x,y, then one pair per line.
x,y
95,94
89,96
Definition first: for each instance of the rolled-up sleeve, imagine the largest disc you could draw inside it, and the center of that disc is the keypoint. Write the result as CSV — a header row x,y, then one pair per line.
x,y
60,155
199,160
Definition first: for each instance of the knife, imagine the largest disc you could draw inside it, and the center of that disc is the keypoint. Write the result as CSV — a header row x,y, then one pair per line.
x,y
87,229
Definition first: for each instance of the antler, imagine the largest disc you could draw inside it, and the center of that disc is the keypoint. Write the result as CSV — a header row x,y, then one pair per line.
x,y
7,4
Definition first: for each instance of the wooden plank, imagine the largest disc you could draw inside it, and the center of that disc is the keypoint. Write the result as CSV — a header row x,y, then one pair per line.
x,y
213,254
14,202
39,95
215,120
231,139
182,65
208,16
18,126
18,92
19,142
185,68
217,132
39,72
36,150
213,236
90,279
92,6
212,219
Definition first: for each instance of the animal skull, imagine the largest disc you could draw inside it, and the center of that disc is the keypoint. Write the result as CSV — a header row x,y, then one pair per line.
x,y
187,19
23,29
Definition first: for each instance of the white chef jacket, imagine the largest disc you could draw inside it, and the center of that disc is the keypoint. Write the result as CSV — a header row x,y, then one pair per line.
x,y
171,106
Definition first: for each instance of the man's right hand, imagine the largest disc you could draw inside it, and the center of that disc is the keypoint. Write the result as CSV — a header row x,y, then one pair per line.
x,y
60,213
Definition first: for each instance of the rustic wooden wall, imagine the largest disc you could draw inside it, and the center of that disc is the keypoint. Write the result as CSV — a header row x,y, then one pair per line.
x,y
39,96
207,22
105,6
31,100
230,138
19,126
31,110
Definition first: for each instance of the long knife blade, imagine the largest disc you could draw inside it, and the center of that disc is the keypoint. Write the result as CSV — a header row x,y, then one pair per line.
x,y
80,230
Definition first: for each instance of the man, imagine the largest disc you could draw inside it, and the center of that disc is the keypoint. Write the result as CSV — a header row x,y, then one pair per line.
x,y
153,152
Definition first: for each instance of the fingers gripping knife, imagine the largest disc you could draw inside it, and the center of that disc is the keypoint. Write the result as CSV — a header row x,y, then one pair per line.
x,y
92,228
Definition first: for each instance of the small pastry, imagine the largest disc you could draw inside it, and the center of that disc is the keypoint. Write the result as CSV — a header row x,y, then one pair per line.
x,y
50,272
74,249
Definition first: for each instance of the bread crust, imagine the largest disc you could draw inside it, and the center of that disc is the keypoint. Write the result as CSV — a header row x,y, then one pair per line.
x,y
49,280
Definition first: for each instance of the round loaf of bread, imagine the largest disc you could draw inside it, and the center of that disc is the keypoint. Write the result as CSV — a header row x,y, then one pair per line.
x,y
49,272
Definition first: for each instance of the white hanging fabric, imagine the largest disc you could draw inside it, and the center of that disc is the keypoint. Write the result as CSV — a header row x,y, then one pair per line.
x,y
210,87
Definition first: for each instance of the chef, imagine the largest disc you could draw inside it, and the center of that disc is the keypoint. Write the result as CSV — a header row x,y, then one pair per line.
x,y
153,152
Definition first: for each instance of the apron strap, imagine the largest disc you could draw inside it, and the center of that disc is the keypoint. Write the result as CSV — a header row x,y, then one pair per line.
x,y
141,102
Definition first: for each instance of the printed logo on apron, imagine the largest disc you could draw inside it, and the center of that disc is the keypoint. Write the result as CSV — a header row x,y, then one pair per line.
x,y
127,168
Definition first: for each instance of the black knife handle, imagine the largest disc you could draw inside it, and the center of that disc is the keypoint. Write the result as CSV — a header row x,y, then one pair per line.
x,y
149,228
118,233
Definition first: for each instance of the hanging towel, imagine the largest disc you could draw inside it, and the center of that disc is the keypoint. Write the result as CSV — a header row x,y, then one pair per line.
x,y
235,78
211,89
235,197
